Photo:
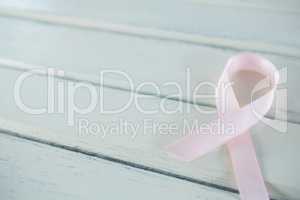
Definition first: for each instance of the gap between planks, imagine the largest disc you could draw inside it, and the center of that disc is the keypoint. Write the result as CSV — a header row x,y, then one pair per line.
x,y
121,162
151,33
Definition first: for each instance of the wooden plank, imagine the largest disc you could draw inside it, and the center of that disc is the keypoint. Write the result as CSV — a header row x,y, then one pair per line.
x,y
29,170
85,54
144,145
277,5
186,21
274,5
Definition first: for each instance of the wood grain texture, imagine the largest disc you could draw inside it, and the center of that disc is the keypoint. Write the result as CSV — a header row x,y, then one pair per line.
x,y
276,151
29,170
84,54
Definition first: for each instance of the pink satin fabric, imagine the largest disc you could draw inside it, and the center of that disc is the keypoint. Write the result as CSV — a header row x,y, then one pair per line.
x,y
246,168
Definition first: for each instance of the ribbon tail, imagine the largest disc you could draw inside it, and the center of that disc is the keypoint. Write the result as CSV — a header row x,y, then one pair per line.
x,y
246,168
201,141
192,146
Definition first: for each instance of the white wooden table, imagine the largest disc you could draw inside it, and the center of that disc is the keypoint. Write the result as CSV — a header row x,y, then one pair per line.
x,y
43,157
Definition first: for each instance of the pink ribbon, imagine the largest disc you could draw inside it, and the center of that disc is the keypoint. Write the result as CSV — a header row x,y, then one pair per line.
x,y
239,109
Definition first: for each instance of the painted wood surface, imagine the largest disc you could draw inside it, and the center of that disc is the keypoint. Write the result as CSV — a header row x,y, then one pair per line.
x,y
27,174
145,40
276,151
85,54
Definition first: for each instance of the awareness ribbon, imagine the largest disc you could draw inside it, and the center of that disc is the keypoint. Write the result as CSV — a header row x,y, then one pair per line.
x,y
241,115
